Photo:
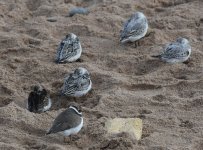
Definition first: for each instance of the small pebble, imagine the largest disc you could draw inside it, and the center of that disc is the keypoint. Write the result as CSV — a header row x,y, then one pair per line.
x,y
52,19
78,10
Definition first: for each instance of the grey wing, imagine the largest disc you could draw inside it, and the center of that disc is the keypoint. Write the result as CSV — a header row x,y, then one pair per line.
x,y
64,121
134,27
125,27
137,28
60,50
69,48
126,24
70,89
70,85
175,51
83,84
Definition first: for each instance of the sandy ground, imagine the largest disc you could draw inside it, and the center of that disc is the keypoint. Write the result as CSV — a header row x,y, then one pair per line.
x,y
127,82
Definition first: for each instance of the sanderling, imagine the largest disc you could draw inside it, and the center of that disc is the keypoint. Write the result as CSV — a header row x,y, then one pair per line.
x,y
38,100
69,49
68,122
77,83
178,51
134,28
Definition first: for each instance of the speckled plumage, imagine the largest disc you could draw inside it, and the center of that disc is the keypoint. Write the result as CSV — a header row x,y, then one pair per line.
x,y
178,51
77,83
38,100
69,49
134,28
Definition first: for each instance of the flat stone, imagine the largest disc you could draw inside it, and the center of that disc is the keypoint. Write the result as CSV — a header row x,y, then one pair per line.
x,y
132,126
53,19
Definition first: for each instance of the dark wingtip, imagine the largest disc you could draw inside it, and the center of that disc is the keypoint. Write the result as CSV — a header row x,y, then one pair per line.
x,y
57,61
61,93
49,132
156,56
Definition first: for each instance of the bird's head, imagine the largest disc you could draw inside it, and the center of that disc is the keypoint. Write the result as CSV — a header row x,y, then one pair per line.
x,y
182,40
81,72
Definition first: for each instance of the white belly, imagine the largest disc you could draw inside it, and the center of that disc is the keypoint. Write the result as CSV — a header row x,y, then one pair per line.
x,y
74,58
81,93
172,61
134,38
74,130
48,105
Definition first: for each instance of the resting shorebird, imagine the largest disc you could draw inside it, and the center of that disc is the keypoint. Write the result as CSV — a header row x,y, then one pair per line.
x,y
134,28
38,100
68,122
69,49
178,51
77,83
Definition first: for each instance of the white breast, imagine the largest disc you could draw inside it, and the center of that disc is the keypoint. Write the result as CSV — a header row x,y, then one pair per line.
x,y
74,130
48,105
77,56
81,93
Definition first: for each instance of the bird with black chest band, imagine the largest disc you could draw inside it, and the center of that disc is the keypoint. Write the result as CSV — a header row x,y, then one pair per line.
x,y
69,122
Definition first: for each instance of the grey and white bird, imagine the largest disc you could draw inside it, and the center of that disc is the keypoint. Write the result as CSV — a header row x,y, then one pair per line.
x,y
134,28
77,83
68,122
69,49
175,52
38,100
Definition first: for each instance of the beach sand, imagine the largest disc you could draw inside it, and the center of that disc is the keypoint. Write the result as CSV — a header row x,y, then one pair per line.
x,y
127,82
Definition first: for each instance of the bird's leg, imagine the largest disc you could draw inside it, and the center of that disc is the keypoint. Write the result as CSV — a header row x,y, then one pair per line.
x,y
75,99
91,92
138,42
79,60
58,103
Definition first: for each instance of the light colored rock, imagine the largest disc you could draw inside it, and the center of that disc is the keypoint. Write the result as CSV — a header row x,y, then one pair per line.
x,y
132,126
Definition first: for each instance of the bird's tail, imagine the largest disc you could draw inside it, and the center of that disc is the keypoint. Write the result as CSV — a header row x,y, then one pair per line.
x,y
49,132
57,61
156,56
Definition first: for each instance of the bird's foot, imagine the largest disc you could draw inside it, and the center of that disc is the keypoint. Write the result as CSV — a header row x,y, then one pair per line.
x,y
186,62
79,60
137,43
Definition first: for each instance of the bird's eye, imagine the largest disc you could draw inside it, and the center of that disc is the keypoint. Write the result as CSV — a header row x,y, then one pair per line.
x,y
86,75
188,53
77,72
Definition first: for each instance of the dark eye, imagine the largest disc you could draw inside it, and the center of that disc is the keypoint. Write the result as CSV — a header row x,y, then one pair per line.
x,y
86,75
188,53
77,72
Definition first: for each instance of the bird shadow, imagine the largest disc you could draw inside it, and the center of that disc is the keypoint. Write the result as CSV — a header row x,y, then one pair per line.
x,y
89,100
